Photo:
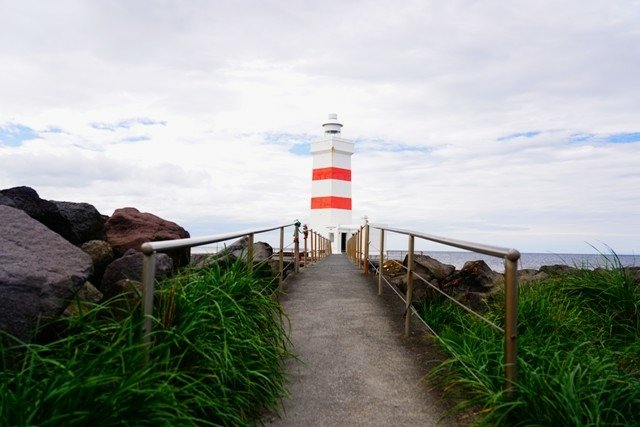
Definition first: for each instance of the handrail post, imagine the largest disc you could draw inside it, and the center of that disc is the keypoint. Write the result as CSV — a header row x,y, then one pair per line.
x,y
511,322
366,250
296,251
315,246
304,256
250,252
381,262
358,244
148,284
313,257
281,257
407,314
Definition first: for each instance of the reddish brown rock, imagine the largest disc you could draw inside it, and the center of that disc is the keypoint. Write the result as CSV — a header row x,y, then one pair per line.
x,y
128,228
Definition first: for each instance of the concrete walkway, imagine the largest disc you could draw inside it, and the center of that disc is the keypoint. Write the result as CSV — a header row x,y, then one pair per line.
x,y
354,367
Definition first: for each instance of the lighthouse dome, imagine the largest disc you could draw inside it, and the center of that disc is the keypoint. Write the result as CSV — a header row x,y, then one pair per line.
x,y
332,125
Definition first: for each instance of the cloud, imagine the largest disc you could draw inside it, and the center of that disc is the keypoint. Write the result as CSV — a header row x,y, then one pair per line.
x,y
503,122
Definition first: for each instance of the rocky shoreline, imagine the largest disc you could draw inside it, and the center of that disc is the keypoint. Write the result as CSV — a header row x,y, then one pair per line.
x,y
474,283
53,253
58,257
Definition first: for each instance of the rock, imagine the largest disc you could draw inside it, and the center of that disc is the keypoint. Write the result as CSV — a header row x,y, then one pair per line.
x,y
44,211
476,301
393,268
475,276
5,201
128,228
130,267
82,302
237,250
430,268
126,296
633,273
40,272
557,269
86,222
530,275
101,254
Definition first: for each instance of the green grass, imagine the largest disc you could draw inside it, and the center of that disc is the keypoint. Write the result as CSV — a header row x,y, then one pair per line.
x,y
218,345
579,353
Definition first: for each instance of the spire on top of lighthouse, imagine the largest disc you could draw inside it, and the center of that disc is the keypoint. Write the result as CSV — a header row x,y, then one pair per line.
x,y
332,125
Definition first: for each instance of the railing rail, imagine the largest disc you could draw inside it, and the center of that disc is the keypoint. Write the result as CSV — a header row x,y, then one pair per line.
x,y
150,249
358,248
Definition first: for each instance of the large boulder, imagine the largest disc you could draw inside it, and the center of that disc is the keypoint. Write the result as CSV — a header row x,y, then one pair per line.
x,y
86,222
39,273
43,211
129,267
128,228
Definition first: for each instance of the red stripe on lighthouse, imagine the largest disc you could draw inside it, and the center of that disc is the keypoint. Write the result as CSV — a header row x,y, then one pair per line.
x,y
331,202
332,173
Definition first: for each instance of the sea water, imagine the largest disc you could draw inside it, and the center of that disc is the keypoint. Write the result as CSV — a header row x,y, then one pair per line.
x,y
527,260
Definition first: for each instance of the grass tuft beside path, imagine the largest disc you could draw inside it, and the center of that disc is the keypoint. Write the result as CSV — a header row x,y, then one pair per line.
x,y
579,352
216,359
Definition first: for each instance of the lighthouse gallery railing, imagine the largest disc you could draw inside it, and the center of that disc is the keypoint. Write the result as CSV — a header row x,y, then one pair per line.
x,y
358,250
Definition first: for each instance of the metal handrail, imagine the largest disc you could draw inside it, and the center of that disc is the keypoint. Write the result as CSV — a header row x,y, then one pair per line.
x,y
149,250
358,248
496,251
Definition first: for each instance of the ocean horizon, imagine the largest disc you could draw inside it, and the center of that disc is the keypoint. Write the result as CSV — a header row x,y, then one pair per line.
x,y
527,260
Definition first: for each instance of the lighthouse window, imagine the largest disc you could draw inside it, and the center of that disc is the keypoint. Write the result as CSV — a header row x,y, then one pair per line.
x,y
331,237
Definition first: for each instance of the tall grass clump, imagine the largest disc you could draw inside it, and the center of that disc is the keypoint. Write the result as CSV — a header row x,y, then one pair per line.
x,y
579,352
216,359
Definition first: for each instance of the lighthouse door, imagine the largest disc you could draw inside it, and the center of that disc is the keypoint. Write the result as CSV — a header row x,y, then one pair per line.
x,y
343,242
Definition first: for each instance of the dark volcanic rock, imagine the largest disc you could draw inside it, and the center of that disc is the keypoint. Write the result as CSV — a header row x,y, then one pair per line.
x,y
130,267
237,250
39,273
475,276
44,211
430,268
5,201
529,275
86,222
128,228
82,302
556,269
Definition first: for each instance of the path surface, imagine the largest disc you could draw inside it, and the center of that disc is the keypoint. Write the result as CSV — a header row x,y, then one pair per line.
x,y
354,366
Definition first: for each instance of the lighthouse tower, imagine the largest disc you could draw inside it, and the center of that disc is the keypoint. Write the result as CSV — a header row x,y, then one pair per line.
x,y
331,185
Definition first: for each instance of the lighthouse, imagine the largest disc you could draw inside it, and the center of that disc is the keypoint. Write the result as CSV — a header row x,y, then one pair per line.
x,y
331,185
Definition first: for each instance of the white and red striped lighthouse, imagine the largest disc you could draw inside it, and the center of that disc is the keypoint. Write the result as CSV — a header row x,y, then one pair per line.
x,y
331,185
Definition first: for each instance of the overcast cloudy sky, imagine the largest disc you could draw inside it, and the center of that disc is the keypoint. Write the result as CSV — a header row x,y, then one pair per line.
x,y
509,123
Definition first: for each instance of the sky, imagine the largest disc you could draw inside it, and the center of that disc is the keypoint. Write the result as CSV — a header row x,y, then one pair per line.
x,y
514,124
